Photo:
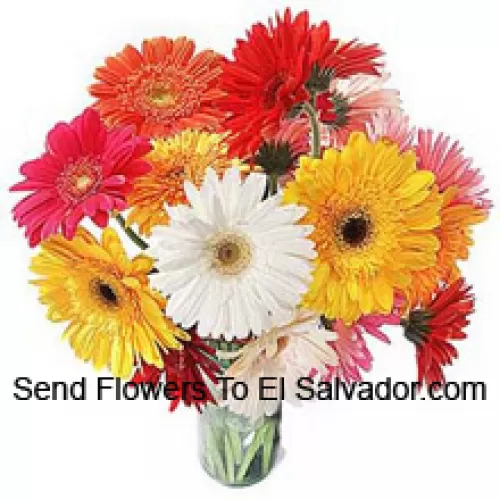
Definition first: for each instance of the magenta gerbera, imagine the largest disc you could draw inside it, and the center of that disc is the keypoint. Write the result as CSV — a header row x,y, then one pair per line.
x,y
86,171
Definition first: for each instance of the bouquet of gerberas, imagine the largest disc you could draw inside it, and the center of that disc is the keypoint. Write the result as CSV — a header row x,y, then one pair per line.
x,y
291,209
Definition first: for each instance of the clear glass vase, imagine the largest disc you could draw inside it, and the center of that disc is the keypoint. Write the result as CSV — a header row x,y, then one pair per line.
x,y
233,449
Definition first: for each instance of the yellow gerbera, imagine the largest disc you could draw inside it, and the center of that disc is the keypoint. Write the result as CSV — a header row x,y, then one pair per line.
x,y
113,315
185,156
374,214
454,234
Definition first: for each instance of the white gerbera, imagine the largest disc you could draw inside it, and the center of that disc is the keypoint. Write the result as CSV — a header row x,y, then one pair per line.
x,y
231,262
289,352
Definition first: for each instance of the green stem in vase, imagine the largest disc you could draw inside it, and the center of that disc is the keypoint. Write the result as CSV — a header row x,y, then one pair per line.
x,y
268,447
213,453
235,440
316,138
251,453
131,233
230,463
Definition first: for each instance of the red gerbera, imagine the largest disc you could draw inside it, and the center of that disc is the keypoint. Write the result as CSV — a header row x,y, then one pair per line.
x,y
432,327
87,170
268,75
186,368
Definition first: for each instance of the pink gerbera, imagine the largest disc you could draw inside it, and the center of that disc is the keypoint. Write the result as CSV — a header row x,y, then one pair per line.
x,y
87,170
350,104
392,125
350,346
451,168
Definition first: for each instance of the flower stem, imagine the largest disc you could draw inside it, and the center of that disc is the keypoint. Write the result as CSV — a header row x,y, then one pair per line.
x,y
131,233
273,183
316,139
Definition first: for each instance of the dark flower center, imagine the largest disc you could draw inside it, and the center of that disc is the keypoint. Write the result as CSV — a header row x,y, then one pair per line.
x,y
355,229
271,90
106,293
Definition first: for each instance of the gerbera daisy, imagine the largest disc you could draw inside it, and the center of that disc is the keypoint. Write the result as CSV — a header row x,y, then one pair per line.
x,y
185,156
451,168
162,89
350,346
188,369
373,214
289,351
464,205
270,70
350,104
113,315
87,170
231,262
393,126
455,238
433,326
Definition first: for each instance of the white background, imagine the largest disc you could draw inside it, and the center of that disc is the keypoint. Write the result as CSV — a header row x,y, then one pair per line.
x,y
444,58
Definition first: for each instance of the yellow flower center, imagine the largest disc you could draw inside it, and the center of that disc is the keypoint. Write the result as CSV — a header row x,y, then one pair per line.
x,y
162,97
230,253
83,183
78,180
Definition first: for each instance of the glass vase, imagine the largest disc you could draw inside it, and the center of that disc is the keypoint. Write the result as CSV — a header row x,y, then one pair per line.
x,y
234,450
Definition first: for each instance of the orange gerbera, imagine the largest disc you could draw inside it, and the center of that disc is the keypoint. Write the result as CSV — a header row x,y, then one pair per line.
x,y
185,156
455,237
162,89
465,204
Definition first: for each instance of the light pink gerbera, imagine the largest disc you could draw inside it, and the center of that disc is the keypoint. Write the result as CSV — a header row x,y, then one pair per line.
x,y
350,104
87,170
351,349
392,125
451,168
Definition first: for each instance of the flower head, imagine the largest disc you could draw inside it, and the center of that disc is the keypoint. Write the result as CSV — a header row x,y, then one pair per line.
x,y
187,368
113,315
350,346
231,262
271,69
351,104
455,239
87,170
184,156
465,205
434,325
289,351
373,214
452,169
162,89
